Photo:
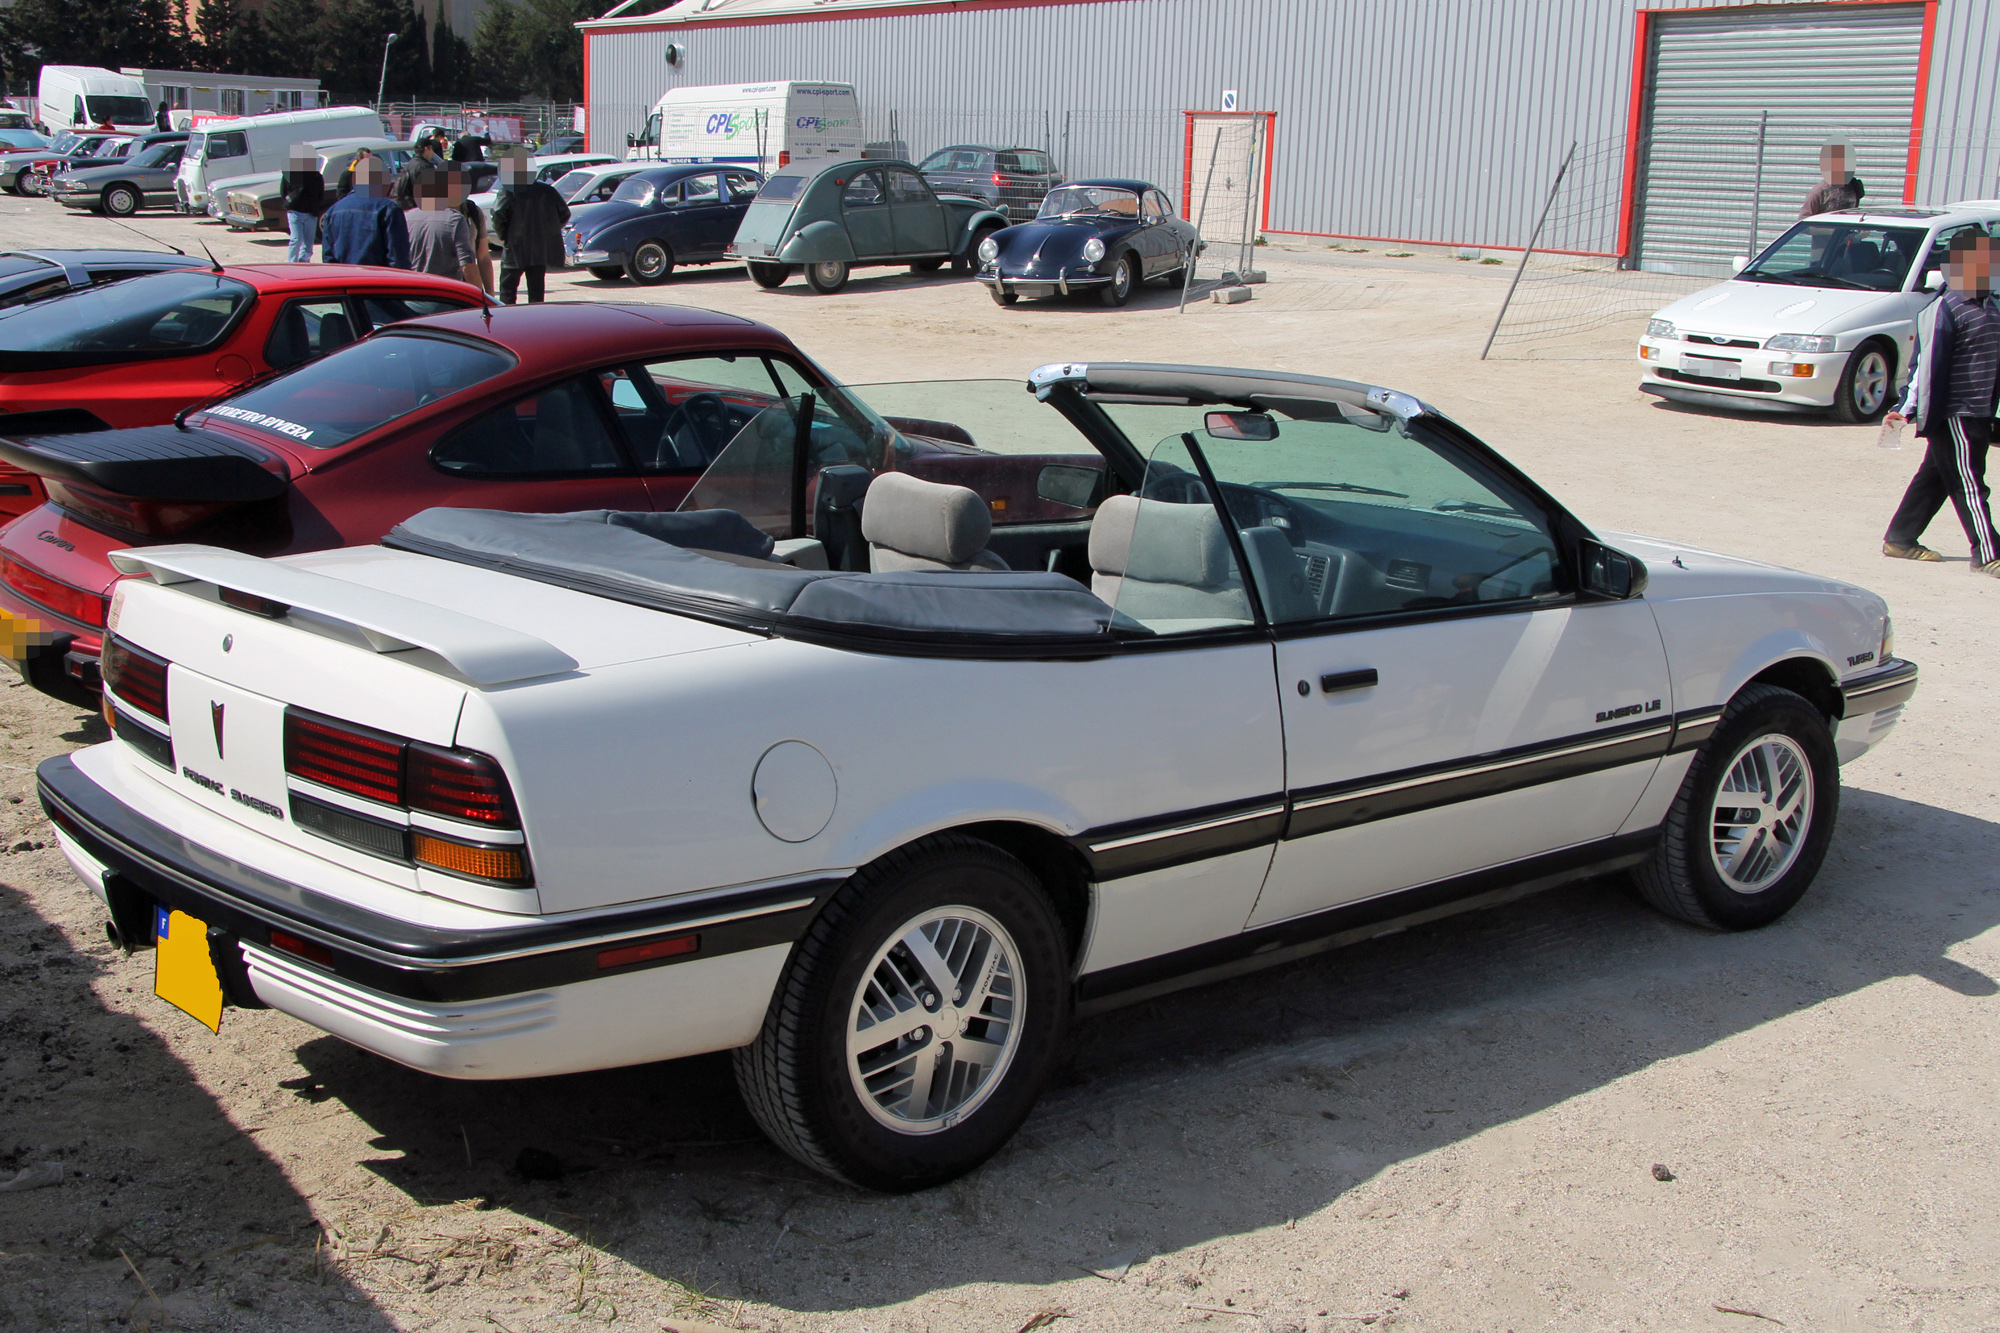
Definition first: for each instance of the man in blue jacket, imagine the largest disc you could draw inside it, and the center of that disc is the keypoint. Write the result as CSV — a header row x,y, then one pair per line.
x,y
1952,396
366,227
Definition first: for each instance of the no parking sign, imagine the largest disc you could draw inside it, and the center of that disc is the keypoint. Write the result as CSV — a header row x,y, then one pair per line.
x,y
1228,99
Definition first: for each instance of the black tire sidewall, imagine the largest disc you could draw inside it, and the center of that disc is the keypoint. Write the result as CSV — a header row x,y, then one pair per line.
x,y
867,1152
638,274
1128,265
1783,713
827,286
768,276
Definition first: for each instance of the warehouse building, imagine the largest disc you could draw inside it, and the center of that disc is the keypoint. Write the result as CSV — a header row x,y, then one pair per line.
x,y
1690,129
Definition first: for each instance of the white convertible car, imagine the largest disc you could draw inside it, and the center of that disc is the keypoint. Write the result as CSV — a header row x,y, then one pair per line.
x,y
878,780
1825,320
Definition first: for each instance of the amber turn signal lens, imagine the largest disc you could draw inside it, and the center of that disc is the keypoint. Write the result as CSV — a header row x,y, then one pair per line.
x,y
504,864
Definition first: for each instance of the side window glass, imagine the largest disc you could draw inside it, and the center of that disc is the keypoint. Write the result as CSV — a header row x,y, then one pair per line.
x,y
906,187
1161,558
701,190
678,415
864,190
669,196
382,310
306,329
1149,207
1940,247
1163,204
557,432
742,188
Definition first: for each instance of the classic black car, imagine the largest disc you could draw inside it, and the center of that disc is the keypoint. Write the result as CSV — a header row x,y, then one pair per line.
x,y
658,218
1102,235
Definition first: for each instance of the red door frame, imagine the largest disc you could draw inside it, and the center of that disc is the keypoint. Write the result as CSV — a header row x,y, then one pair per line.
x,y
1635,114
1187,159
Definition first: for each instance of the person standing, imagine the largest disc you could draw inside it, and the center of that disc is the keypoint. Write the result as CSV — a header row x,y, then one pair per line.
x,y
1838,188
440,237
304,191
366,227
461,199
528,219
423,157
1952,396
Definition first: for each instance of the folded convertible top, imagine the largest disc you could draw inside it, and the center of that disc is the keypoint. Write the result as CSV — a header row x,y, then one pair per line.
x,y
657,560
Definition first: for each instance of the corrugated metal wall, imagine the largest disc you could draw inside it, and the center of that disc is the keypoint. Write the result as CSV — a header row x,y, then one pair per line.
x,y
1423,120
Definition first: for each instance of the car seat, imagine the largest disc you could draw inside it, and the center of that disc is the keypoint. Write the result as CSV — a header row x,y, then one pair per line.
x,y
911,524
335,330
1156,560
289,342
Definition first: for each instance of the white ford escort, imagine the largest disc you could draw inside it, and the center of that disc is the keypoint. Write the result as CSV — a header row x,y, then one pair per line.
x,y
878,780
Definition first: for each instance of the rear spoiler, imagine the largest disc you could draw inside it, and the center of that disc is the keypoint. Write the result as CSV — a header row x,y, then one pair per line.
x,y
154,463
482,652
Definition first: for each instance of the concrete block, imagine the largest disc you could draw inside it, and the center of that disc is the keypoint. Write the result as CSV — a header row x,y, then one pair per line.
x,y
1232,295
1253,275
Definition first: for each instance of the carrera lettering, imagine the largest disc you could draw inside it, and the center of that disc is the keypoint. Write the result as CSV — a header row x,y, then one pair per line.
x,y
46,536
1859,658
202,780
1629,710
261,806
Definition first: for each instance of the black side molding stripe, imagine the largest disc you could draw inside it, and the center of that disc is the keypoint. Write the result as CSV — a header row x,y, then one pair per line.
x,y
1284,941
1693,727
1138,845
1892,683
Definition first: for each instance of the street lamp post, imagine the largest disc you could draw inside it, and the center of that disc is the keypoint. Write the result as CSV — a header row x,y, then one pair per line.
x,y
383,82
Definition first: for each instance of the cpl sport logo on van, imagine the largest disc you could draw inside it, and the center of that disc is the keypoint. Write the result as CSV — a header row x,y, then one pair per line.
x,y
823,123
724,123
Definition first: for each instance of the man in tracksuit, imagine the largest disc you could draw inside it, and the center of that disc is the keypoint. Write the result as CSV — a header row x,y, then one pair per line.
x,y
1952,395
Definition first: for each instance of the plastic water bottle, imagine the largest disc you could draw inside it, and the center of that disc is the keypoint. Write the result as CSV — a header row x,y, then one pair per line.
x,y
1892,434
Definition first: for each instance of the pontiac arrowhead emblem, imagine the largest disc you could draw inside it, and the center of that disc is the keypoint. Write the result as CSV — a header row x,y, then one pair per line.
x,y
215,719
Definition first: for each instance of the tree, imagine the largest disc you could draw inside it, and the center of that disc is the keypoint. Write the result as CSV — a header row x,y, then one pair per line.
x,y
112,33
496,54
451,61
551,49
231,39
294,37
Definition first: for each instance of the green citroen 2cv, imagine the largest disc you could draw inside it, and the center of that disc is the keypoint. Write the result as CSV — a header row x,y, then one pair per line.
x,y
832,215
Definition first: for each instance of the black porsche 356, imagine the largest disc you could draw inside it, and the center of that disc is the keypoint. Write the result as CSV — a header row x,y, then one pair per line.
x,y
1103,235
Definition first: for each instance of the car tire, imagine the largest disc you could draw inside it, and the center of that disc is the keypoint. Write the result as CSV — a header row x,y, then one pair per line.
x,y
121,200
1124,279
608,273
769,276
807,1076
926,265
827,276
968,262
1774,748
1865,384
651,263
20,185
1003,298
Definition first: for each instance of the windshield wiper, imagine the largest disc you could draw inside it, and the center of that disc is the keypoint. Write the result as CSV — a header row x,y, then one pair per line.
x,y
1328,486
1474,507
1805,278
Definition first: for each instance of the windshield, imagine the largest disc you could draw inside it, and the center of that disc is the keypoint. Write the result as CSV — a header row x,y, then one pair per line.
x,y
181,311
957,159
1083,200
109,110
1851,255
66,142
350,392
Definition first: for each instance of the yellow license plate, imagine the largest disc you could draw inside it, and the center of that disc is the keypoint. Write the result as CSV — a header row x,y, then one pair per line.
x,y
183,971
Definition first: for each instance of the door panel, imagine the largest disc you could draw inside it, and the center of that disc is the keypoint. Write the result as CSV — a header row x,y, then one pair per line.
x,y
919,218
1482,743
704,223
864,205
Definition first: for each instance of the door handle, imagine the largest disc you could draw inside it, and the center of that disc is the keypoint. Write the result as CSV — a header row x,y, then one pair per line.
x,y
1348,680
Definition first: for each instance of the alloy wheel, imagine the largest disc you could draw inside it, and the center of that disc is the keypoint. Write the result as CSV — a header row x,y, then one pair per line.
x,y
1871,383
1762,813
936,1020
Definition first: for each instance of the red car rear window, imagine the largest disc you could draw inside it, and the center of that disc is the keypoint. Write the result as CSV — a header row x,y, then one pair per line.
x,y
350,392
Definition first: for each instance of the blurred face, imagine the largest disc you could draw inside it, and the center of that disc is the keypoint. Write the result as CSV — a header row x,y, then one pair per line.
x,y
1970,272
368,176
514,167
1833,164
456,188
302,158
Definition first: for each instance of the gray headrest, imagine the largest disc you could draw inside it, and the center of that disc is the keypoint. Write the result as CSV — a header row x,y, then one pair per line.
x,y
948,524
1175,543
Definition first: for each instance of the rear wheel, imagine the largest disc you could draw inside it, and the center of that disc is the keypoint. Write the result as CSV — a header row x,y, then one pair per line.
x,y
121,200
769,276
1747,833
828,276
1864,385
651,264
610,273
917,1020
926,265
1123,279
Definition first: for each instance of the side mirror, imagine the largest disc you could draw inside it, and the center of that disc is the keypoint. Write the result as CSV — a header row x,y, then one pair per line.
x,y
1077,487
1241,425
1612,574
1934,280
631,140
1737,263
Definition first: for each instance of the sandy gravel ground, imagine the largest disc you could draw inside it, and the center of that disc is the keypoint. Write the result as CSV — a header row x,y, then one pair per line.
x,y
1450,1129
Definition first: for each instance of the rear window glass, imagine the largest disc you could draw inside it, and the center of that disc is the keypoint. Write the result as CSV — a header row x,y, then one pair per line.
x,y
573,182
162,312
782,187
330,401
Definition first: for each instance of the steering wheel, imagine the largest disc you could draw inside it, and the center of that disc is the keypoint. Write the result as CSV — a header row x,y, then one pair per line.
x,y
708,417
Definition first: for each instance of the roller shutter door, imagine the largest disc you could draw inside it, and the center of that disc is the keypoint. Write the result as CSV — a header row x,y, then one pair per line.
x,y
1850,70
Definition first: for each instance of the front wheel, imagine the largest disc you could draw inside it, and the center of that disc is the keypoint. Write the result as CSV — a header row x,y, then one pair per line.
x,y
769,276
827,277
651,263
1747,833
968,262
1123,279
1864,385
917,1020
610,273
121,201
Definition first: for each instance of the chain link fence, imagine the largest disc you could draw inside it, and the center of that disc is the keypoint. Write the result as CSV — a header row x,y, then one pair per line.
x,y
511,122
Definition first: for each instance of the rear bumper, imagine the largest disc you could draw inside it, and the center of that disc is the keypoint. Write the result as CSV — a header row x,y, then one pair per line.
x,y
65,664
512,1002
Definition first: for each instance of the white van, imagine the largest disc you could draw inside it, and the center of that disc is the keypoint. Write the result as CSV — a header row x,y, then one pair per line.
x,y
761,125
221,150
82,97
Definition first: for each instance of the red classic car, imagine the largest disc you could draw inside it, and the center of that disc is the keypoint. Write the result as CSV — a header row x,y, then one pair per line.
x,y
544,408
133,353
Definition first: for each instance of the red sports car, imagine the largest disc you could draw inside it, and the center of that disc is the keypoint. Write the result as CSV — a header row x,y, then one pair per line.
x,y
135,352
543,408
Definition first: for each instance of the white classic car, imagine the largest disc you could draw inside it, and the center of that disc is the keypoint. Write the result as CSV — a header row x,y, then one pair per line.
x,y
1825,320
878,780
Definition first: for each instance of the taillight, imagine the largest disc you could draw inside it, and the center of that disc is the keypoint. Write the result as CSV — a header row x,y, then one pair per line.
x,y
135,676
84,607
143,518
502,865
344,757
784,158
998,179
459,784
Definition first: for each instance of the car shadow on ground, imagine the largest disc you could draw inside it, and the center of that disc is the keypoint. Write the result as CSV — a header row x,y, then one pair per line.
x,y
158,1185
1214,1112
1811,420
